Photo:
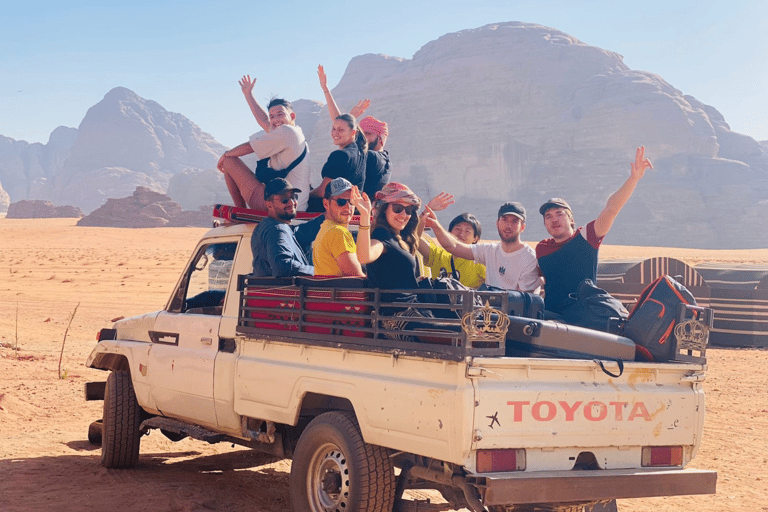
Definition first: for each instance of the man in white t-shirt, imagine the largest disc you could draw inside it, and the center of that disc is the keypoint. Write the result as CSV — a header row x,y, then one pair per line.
x,y
510,264
282,142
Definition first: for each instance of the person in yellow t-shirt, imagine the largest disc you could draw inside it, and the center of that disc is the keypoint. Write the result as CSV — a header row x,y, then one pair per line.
x,y
334,252
467,229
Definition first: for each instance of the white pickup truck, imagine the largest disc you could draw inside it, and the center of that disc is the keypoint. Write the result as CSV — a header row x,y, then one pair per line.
x,y
315,371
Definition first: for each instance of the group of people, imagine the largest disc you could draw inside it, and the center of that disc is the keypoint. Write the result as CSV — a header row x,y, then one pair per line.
x,y
390,238
282,151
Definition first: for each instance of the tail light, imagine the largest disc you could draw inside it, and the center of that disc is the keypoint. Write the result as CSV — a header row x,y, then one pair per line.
x,y
662,456
494,461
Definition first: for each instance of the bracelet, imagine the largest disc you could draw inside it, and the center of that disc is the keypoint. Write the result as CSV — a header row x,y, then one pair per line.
x,y
364,227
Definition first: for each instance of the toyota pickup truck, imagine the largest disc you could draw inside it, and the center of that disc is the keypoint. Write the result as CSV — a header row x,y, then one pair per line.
x,y
368,404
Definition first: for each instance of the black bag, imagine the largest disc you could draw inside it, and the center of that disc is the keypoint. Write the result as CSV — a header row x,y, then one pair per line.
x,y
264,173
654,316
522,304
445,283
593,308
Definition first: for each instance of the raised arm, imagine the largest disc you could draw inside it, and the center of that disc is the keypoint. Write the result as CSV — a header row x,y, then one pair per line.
x,y
619,198
261,115
333,109
440,202
360,108
449,243
367,250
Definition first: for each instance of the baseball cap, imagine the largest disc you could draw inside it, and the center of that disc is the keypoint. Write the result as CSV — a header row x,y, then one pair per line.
x,y
336,187
555,202
278,186
512,208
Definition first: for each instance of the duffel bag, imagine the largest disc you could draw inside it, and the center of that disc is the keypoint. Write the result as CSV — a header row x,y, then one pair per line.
x,y
593,308
652,321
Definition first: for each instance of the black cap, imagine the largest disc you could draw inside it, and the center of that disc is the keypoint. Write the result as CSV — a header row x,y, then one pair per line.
x,y
512,208
555,202
278,186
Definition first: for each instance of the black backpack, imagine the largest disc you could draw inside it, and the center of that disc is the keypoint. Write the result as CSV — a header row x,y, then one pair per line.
x,y
652,321
593,308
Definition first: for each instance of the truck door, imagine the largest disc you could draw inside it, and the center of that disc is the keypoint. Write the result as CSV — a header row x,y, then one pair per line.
x,y
185,339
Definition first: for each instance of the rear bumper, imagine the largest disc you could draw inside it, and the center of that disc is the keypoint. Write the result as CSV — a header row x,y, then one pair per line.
x,y
575,486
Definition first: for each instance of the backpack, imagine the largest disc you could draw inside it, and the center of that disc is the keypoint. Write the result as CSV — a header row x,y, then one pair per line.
x,y
449,284
594,308
652,321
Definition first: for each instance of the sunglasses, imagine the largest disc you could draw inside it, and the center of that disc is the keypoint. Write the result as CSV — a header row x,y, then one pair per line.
x,y
286,200
398,208
341,202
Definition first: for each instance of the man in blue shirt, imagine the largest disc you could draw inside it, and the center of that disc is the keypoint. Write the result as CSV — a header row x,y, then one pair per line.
x,y
276,252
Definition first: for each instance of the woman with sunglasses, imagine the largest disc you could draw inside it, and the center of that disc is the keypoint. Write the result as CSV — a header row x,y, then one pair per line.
x,y
390,249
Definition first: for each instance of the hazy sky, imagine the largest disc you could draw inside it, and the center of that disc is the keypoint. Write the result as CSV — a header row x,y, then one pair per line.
x,y
57,59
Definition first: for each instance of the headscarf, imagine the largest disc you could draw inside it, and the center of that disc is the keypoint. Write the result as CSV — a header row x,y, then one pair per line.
x,y
394,192
373,125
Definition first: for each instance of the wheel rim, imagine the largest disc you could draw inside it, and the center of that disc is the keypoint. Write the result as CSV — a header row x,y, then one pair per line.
x,y
328,480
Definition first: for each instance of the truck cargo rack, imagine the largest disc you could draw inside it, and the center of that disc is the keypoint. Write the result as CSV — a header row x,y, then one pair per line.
x,y
346,313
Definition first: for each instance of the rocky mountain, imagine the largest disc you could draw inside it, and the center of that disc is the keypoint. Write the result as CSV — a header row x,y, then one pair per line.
x,y
124,141
26,168
517,111
509,111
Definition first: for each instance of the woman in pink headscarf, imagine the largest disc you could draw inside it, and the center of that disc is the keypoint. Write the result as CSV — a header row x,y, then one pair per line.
x,y
390,249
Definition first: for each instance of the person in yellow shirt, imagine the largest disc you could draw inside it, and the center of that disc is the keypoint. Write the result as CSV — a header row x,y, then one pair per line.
x,y
334,252
467,229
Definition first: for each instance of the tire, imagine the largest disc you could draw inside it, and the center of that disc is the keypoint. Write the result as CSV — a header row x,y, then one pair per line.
x,y
121,422
334,470
94,432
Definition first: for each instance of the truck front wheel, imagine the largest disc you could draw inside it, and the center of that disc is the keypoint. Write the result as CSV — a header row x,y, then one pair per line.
x,y
121,422
333,469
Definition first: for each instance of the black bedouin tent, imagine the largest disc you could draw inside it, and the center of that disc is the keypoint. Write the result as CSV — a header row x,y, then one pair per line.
x,y
738,294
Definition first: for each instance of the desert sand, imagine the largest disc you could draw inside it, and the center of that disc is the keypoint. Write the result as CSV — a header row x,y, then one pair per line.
x,y
51,268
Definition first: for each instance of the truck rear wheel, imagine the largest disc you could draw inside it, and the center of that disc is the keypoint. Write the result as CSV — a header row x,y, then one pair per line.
x,y
333,469
121,422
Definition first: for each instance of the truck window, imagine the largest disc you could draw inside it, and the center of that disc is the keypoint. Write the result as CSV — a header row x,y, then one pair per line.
x,y
207,280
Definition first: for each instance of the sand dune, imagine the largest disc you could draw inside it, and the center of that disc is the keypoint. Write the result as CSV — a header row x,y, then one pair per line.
x,y
49,267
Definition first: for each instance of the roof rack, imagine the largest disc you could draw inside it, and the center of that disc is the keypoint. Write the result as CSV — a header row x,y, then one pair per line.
x,y
237,214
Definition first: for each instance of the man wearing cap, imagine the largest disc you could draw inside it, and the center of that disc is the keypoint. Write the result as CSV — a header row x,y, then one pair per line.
x,y
378,170
334,252
276,253
570,256
510,264
282,143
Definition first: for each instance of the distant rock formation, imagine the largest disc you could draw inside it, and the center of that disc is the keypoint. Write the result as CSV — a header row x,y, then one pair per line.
x,y
307,114
123,142
38,209
517,111
26,169
146,208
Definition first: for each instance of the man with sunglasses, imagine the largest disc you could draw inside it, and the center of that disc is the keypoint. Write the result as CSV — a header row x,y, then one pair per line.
x,y
510,264
276,252
334,252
